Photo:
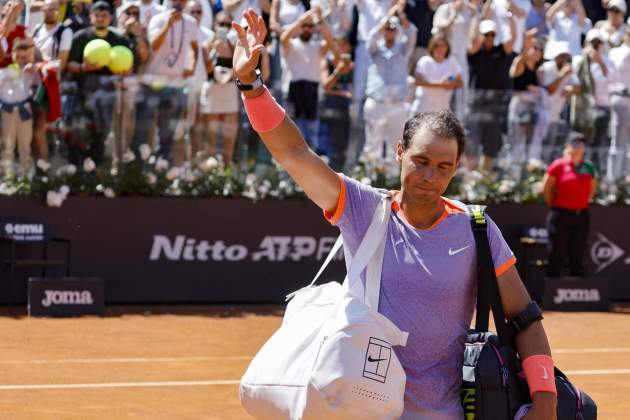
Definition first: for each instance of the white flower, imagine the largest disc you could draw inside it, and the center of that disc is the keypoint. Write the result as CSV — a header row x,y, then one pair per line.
x,y
88,165
190,176
538,187
109,193
250,179
145,151
42,164
152,160
209,164
151,178
534,165
44,179
365,180
128,156
506,186
54,199
161,164
173,173
285,186
69,169
64,190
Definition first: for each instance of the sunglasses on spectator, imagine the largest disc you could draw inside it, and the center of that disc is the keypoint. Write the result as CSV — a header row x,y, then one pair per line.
x,y
24,46
490,34
614,10
224,24
195,12
135,13
51,10
308,25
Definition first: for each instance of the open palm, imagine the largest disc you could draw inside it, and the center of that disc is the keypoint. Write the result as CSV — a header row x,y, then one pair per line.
x,y
249,46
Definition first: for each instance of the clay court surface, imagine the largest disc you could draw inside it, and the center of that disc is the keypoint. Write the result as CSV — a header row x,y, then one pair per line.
x,y
185,362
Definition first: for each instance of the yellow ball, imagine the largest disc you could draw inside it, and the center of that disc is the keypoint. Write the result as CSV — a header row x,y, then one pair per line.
x,y
120,59
97,52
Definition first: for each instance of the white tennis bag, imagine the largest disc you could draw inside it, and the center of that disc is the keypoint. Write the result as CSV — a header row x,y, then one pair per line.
x,y
332,357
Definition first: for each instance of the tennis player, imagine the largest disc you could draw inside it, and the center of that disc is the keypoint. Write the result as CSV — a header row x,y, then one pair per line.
x,y
428,284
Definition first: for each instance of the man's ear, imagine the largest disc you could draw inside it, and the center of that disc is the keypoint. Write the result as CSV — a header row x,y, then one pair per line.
x,y
399,151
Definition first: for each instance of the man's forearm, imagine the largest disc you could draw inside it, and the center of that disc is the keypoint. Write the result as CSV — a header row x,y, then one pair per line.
x,y
159,40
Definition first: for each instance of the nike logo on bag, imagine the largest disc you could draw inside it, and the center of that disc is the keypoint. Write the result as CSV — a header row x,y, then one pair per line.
x,y
545,375
374,360
456,251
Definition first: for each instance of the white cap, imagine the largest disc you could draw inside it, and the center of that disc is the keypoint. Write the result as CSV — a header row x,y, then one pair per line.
x,y
126,5
556,48
487,26
618,4
594,34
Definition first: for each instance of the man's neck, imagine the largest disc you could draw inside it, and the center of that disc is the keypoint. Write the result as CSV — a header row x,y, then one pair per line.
x,y
420,215
389,44
51,25
102,33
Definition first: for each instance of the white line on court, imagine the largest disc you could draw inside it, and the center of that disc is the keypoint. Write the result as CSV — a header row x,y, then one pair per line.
x,y
118,385
593,372
124,360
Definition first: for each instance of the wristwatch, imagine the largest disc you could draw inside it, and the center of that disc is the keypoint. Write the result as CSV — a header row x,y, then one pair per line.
x,y
255,85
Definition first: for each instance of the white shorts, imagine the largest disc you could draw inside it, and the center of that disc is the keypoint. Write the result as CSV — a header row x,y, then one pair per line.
x,y
217,98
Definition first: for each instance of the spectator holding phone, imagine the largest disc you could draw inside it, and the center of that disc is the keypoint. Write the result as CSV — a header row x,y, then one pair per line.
x,y
219,95
172,37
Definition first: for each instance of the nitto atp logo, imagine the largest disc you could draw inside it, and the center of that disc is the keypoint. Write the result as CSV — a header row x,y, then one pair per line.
x,y
604,252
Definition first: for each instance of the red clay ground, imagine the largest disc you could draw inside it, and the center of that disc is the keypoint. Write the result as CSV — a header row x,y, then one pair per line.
x,y
184,363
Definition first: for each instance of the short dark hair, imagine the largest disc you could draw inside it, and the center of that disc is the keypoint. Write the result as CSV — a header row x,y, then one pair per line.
x,y
101,6
441,123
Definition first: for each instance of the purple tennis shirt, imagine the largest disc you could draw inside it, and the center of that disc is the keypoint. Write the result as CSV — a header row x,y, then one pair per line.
x,y
428,288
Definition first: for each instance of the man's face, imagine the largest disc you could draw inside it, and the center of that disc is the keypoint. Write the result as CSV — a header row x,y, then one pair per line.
x,y
427,166
308,28
100,19
178,4
194,10
51,12
391,31
576,151
562,59
488,40
22,54
615,16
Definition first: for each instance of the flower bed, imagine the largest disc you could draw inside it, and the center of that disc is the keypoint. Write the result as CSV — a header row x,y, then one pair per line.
x,y
151,176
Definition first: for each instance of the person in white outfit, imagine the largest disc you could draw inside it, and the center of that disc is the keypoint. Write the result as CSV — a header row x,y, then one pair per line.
x,y
219,95
453,19
613,28
17,84
568,22
618,163
558,78
194,118
385,108
437,76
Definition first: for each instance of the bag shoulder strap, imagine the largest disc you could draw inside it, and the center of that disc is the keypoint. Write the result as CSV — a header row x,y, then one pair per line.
x,y
487,286
374,268
373,236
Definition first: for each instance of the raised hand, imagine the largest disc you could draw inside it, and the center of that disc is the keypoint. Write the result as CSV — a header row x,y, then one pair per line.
x,y
249,46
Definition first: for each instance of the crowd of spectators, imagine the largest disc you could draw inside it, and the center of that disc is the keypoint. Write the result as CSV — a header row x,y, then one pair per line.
x,y
521,74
